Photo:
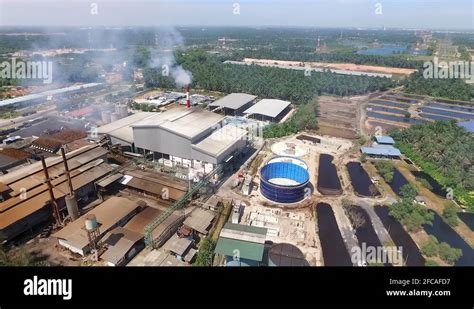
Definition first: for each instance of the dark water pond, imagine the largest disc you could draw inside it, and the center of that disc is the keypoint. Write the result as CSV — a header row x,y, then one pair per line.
x,y
361,181
332,244
437,188
328,180
411,253
444,233
398,181
467,218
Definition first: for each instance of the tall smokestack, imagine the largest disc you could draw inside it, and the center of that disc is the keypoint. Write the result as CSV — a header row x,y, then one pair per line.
x,y
56,214
188,100
71,202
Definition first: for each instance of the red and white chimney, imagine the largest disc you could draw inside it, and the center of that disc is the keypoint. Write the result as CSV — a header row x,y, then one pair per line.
x,y
188,100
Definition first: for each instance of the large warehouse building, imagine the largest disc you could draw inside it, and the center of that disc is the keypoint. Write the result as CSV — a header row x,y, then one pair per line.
x,y
269,110
193,134
234,104
26,200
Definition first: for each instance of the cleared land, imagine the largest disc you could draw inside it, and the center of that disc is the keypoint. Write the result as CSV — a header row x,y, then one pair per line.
x,y
335,66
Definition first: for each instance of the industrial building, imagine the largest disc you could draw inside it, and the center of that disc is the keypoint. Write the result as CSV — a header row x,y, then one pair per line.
x,y
43,96
26,200
114,212
381,152
384,140
122,245
191,133
233,104
269,110
242,245
120,131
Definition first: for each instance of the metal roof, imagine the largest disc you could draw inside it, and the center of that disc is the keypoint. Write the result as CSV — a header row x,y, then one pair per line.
x,y
246,228
468,125
199,220
122,128
142,219
177,245
36,201
381,151
234,100
104,182
119,241
384,140
35,96
221,140
268,107
182,121
107,214
246,250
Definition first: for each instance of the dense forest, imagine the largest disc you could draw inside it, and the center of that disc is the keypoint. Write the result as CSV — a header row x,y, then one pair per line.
x,y
209,73
455,89
445,151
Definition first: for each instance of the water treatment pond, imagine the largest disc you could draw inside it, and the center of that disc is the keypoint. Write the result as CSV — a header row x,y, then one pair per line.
x,y
467,218
401,238
332,244
444,233
362,224
328,180
361,181
436,187
398,181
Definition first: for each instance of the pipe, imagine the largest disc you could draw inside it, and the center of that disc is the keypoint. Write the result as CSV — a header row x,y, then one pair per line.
x,y
188,100
56,214
68,174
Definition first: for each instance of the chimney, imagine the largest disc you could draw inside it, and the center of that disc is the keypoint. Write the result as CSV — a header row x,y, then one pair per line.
x,y
188,100
71,202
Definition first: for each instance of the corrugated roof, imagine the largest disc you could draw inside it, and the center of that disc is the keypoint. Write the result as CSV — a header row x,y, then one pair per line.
x,y
45,94
23,208
468,125
268,107
384,140
177,245
182,121
221,140
381,151
107,214
234,100
104,182
246,228
199,220
119,241
122,128
246,250
142,219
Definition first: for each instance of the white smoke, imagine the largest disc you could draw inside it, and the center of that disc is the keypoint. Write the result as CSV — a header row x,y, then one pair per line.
x,y
168,40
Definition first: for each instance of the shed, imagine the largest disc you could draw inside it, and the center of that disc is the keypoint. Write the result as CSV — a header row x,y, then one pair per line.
x,y
122,245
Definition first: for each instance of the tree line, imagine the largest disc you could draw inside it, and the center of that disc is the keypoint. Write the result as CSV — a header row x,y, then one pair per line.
x,y
443,150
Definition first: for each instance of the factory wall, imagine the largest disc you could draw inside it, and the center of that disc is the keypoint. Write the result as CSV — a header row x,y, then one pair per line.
x,y
202,156
158,140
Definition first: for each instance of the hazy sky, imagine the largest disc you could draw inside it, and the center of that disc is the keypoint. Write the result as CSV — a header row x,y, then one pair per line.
x,y
449,14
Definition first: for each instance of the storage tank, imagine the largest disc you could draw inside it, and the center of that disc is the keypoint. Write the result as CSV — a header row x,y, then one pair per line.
x,y
286,255
114,117
106,117
284,180
71,205
91,222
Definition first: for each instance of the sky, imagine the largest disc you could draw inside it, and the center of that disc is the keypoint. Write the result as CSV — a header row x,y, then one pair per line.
x,y
418,14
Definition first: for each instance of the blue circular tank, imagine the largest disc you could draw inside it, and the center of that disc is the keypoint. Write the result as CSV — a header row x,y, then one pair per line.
x,y
284,180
